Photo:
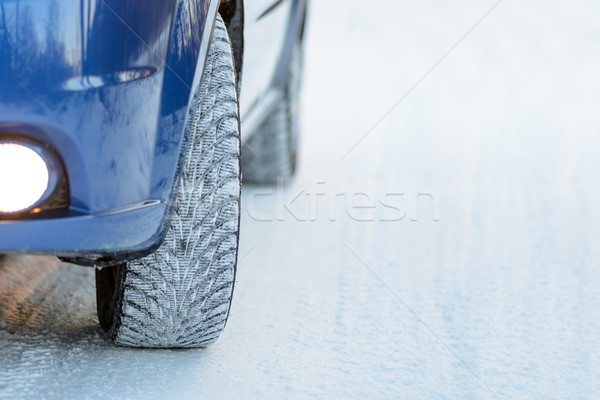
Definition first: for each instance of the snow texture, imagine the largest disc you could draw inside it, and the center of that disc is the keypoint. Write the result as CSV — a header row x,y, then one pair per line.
x,y
498,299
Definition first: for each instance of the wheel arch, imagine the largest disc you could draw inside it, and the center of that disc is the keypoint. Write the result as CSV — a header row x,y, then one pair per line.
x,y
296,28
232,12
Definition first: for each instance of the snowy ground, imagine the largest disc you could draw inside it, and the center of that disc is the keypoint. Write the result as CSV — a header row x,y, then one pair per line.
x,y
492,292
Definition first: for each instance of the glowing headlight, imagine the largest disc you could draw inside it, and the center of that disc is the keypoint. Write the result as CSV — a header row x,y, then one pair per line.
x,y
24,178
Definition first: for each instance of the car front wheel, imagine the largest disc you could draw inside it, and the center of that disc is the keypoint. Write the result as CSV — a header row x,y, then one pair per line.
x,y
180,295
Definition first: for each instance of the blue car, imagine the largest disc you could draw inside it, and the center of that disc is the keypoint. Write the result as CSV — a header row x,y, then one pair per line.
x,y
120,146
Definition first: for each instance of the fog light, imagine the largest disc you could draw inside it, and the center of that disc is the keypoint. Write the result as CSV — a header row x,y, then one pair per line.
x,y
24,178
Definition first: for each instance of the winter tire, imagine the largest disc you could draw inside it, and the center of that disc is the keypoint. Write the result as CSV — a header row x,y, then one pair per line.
x,y
269,154
180,295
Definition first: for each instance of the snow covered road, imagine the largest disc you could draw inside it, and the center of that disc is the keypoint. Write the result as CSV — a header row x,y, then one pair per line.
x,y
450,250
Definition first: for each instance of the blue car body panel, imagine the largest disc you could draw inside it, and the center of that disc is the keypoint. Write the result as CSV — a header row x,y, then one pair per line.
x,y
107,84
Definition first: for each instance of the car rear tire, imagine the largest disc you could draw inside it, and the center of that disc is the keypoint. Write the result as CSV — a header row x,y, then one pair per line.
x,y
270,154
180,295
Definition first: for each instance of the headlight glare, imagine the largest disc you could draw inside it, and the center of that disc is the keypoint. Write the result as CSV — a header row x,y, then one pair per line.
x,y
24,178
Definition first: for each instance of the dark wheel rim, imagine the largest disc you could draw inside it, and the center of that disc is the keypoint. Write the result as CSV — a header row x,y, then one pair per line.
x,y
107,292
